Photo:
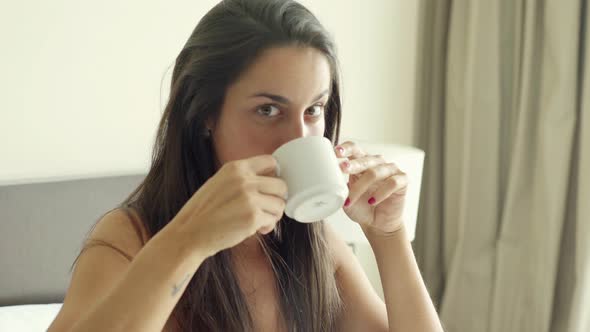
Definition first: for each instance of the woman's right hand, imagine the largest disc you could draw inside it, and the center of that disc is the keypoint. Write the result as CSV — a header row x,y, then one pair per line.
x,y
243,197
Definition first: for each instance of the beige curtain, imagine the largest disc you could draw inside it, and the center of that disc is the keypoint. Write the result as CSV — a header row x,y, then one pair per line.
x,y
503,109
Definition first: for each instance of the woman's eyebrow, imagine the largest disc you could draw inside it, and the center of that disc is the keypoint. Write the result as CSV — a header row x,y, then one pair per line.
x,y
284,100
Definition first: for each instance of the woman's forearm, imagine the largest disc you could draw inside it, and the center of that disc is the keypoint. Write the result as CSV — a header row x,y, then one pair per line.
x,y
409,307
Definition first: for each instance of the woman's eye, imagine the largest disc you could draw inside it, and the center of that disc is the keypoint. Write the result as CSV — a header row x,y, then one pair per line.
x,y
268,110
316,110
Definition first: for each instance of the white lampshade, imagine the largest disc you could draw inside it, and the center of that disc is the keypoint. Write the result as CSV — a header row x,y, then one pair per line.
x,y
411,161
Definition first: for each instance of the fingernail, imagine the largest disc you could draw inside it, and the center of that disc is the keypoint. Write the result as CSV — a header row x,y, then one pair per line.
x,y
340,149
372,200
345,164
347,202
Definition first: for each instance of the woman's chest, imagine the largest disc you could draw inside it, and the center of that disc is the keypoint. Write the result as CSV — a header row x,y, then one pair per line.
x,y
263,303
263,299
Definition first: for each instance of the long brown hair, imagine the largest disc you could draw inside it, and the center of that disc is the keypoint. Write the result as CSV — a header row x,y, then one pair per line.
x,y
223,44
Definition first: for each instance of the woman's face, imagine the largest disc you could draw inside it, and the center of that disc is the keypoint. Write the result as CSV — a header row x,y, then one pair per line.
x,y
280,97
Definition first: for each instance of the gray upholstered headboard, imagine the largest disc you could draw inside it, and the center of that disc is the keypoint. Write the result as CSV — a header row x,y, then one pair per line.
x,y
42,226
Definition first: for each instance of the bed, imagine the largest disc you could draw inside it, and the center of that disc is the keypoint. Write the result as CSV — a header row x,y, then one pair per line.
x,y
42,226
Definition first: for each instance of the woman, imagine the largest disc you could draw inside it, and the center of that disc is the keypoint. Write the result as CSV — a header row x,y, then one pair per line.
x,y
203,244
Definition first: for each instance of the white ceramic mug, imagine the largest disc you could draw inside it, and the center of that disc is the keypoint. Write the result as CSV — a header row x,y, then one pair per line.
x,y
316,184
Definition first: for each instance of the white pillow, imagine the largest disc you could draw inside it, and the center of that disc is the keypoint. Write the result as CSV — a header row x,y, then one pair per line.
x,y
31,317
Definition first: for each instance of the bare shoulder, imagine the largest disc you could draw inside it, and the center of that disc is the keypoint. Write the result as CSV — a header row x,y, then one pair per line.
x,y
117,237
364,310
339,249
121,228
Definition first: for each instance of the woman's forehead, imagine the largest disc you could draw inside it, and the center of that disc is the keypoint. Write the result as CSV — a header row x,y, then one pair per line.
x,y
297,73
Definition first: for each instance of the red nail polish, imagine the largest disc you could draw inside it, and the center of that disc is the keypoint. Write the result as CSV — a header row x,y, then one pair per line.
x,y
347,202
372,200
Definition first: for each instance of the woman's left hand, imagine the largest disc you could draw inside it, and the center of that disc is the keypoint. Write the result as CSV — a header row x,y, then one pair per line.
x,y
377,189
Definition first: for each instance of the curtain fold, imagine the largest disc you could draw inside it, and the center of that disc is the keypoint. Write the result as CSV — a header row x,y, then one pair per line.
x,y
502,94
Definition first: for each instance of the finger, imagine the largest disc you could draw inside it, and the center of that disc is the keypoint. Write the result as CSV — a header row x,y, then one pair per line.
x,y
356,166
349,149
272,186
369,178
396,184
261,165
272,209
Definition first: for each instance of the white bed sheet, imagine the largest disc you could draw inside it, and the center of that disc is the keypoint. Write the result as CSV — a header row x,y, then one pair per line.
x,y
25,318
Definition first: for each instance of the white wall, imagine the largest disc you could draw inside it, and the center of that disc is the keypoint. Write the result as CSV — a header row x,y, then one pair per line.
x,y
376,40
80,85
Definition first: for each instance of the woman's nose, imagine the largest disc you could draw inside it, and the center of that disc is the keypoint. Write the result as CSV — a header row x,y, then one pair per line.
x,y
296,129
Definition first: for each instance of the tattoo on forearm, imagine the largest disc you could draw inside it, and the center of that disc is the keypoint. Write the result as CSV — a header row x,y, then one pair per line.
x,y
178,286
